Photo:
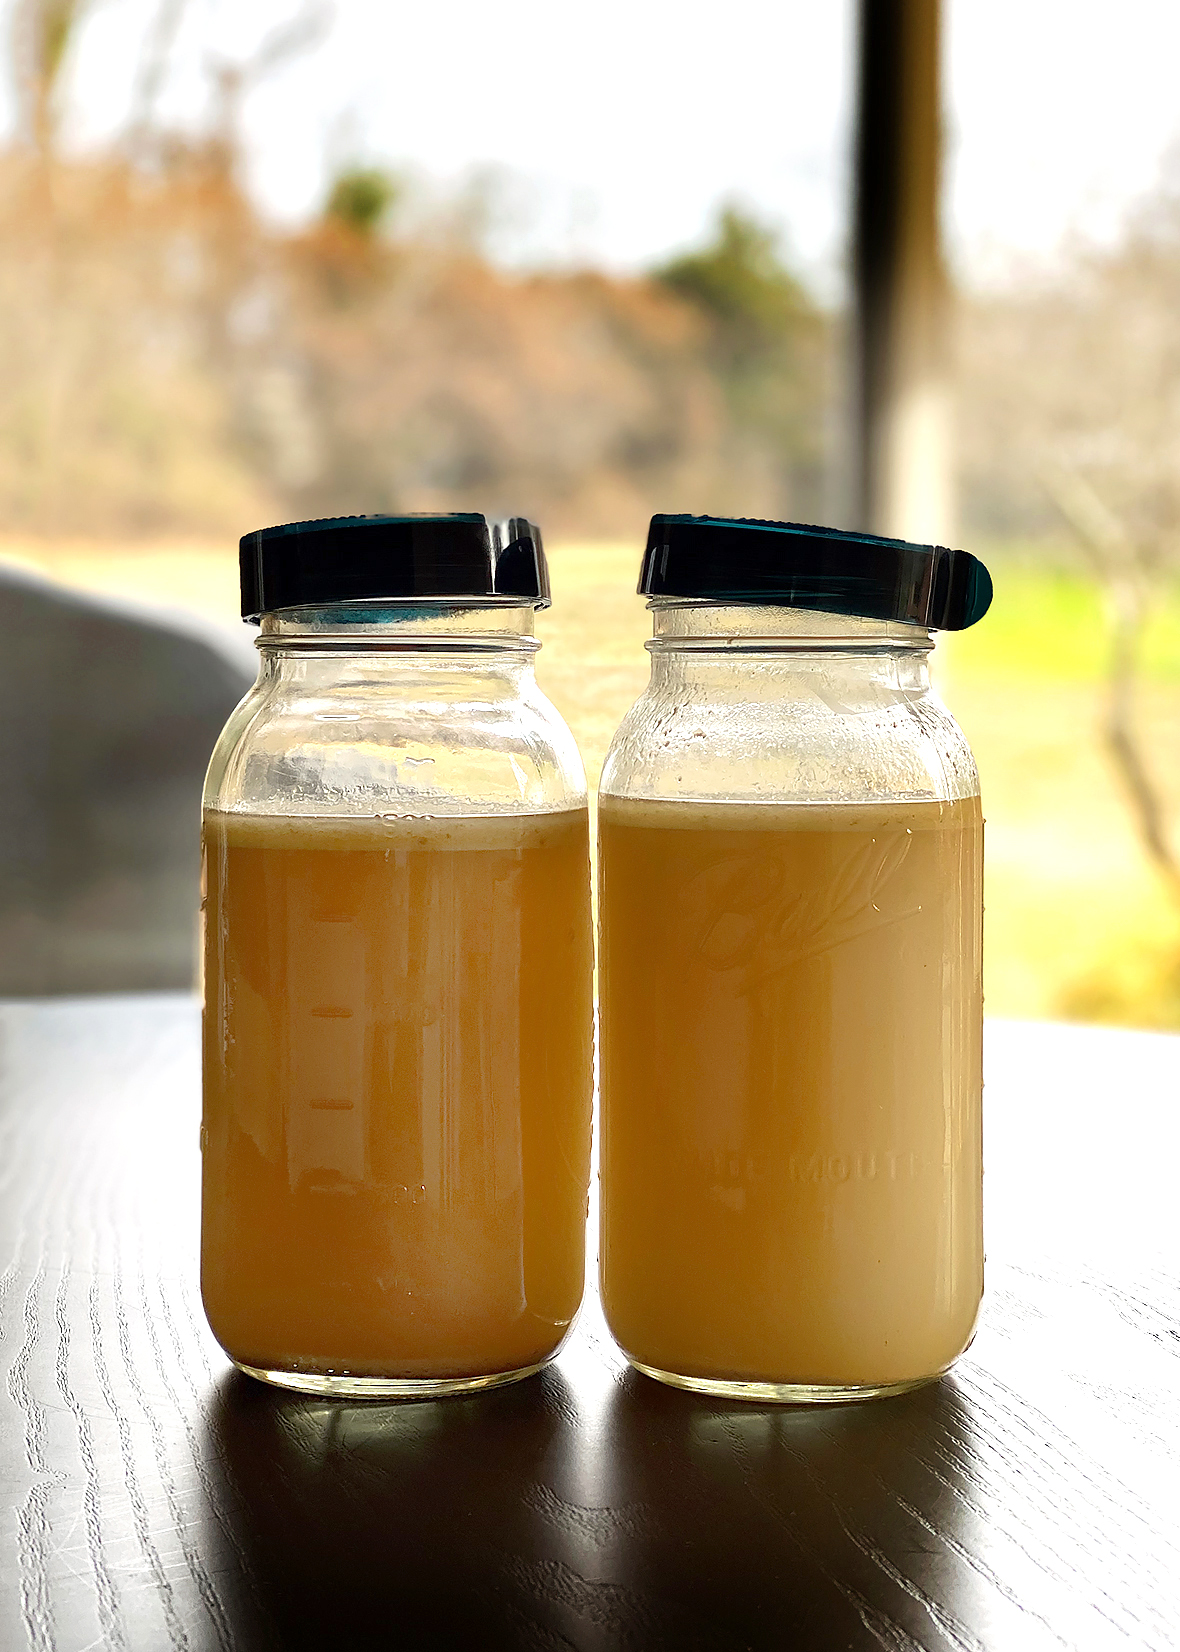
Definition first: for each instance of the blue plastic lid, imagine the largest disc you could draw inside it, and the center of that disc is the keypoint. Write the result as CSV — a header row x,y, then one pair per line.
x,y
797,565
367,558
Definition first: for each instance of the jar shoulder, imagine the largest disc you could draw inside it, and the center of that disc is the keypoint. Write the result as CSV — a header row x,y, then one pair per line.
x,y
418,750
892,744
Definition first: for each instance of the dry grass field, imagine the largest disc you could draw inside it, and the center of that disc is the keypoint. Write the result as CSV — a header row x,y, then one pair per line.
x,y
1079,924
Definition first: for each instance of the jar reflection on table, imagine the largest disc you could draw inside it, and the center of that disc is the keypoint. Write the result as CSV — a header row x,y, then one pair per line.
x,y
398,1027
790,847
370,1491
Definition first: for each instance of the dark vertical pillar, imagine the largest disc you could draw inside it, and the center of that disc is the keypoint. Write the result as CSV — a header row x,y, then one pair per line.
x,y
900,401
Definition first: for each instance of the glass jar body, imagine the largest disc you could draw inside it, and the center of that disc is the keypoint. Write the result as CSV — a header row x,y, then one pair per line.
x,y
790,847
398,1014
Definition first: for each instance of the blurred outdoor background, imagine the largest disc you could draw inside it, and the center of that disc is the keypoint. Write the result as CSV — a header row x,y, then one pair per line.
x,y
263,260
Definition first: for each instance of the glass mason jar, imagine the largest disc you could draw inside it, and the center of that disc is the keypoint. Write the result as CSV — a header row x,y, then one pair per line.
x,y
397,970
790,845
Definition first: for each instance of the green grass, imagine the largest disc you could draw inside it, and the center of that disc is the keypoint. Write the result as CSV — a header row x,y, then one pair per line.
x,y
1081,925
1051,625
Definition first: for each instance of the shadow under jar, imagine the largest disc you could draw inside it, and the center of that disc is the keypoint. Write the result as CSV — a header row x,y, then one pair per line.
x,y
397,970
790,911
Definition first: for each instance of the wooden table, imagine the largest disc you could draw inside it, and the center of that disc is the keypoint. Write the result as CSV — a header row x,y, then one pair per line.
x,y
153,1498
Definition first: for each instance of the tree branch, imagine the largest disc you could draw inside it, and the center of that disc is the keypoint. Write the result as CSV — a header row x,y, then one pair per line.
x,y
153,66
287,40
1120,567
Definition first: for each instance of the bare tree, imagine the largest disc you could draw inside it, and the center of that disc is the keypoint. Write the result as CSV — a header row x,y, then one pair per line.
x,y
1121,567
232,81
1072,394
152,71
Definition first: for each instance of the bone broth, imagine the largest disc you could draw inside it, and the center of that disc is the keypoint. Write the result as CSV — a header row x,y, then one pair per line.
x,y
397,1103
791,1076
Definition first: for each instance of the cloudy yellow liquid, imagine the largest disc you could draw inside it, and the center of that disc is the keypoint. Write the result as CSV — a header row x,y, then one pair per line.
x,y
398,1068
791,1084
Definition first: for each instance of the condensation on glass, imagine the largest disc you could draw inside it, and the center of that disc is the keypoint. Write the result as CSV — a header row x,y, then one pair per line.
x,y
790,847
398,968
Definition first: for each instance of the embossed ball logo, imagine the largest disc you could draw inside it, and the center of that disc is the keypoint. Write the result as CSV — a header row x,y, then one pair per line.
x,y
751,916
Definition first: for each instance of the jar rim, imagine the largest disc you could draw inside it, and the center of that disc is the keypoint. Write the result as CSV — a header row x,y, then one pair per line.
x,y
731,647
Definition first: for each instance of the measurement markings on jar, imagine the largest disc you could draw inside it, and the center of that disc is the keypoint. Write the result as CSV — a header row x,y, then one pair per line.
x,y
325,1126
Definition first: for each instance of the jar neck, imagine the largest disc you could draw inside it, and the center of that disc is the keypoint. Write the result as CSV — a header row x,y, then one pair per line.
x,y
697,641
439,649
684,625
501,628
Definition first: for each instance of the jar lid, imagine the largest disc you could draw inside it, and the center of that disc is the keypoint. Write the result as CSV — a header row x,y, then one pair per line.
x,y
795,565
370,558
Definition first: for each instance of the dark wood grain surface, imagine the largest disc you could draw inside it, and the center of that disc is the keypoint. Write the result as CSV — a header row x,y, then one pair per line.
x,y
155,1499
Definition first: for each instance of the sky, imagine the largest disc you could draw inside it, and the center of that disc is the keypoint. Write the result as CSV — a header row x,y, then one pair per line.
x,y
613,132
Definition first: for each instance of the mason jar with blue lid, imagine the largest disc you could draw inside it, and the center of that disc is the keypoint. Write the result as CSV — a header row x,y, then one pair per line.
x,y
790,911
398,969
